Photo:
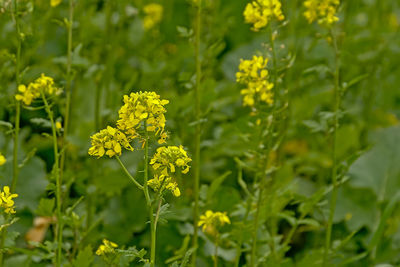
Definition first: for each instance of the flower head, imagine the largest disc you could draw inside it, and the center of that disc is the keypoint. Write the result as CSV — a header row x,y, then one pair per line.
x,y
43,84
154,13
167,159
161,182
210,221
107,247
254,75
3,159
165,162
260,12
323,11
6,200
143,109
110,142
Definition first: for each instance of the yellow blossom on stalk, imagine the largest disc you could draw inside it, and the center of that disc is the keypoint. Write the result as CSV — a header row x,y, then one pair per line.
x,y
43,84
106,248
260,12
55,3
323,11
140,109
167,159
254,75
154,13
6,200
161,182
210,221
2,159
110,142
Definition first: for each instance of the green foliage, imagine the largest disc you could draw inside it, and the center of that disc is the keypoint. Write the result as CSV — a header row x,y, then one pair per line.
x,y
269,168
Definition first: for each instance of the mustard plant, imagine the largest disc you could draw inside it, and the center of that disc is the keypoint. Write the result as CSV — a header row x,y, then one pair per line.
x,y
142,119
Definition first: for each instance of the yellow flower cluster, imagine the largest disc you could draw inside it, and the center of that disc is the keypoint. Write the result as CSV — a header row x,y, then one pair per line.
x,y
43,84
324,11
165,162
146,108
254,75
210,221
154,13
161,182
143,109
2,159
110,142
106,248
6,200
260,12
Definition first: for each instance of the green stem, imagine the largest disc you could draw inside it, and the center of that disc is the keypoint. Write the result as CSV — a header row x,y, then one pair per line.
x,y
17,103
334,156
215,258
255,226
240,241
148,200
56,171
154,230
197,137
128,174
68,88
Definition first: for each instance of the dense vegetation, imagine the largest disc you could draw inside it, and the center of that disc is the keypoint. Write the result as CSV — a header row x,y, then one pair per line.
x,y
199,133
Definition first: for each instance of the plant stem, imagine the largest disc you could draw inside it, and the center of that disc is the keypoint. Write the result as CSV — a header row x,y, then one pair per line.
x,y
17,121
197,137
128,174
68,88
248,207
148,200
334,156
215,258
56,171
17,103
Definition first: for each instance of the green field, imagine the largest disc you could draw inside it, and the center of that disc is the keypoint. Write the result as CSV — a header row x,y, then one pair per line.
x,y
199,133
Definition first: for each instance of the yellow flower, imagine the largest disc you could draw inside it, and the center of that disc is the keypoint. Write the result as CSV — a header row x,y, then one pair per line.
x,y
140,109
55,3
260,12
254,75
109,142
210,221
323,11
154,13
3,159
106,247
6,201
167,159
161,182
43,84
58,125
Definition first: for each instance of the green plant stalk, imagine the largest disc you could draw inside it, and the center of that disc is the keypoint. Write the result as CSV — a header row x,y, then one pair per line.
x,y
274,114
215,258
248,207
148,200
256,224
17,120
196,162
56,171
334,156
128,174
68,88
154,229
17,103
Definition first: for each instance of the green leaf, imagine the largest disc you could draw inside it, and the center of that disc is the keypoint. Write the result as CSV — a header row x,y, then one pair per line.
x,y
379,168
85,257
45,207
